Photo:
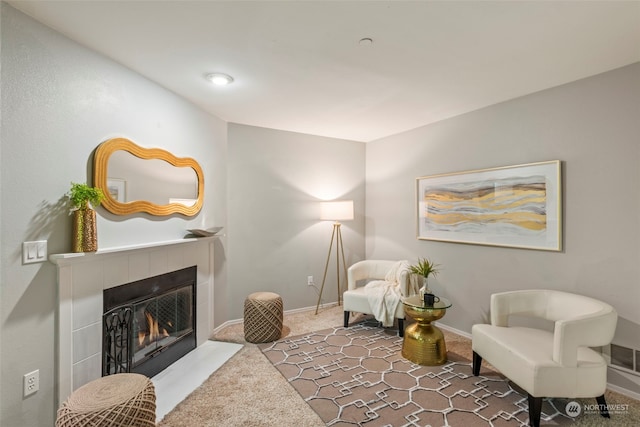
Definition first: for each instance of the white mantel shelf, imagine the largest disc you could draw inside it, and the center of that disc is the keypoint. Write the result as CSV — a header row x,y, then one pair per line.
x,y
65,258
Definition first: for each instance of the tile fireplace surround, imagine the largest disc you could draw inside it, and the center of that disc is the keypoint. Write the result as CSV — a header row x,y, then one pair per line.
x,y
83,277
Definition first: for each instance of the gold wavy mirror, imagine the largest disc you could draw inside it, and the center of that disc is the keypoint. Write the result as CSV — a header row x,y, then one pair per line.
x,y
152,180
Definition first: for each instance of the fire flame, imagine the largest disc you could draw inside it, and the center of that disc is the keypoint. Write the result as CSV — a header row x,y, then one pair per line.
x,y
154,333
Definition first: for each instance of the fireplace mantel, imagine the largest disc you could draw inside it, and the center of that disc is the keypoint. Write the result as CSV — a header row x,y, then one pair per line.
x,y
82,278
70,257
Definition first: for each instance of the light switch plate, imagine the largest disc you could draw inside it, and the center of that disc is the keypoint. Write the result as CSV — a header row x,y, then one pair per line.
x,y
34,252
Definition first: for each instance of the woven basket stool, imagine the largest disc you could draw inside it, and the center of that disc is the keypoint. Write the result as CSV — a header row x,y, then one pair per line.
x,y
262,317
117,400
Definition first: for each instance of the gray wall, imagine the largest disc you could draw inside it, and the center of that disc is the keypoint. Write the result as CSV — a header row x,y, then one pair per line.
x,y
59,101
276,182
593,126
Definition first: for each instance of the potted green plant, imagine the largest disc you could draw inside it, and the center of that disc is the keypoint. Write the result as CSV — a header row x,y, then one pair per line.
x,y
424,268
81,195
83,199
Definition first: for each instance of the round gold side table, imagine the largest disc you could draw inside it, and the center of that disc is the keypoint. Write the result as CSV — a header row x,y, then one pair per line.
x,y
423,342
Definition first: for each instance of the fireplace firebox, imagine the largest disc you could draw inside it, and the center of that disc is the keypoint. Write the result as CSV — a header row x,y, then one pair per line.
x,y
150,323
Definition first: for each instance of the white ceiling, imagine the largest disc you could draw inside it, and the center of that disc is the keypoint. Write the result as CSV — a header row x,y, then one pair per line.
x,y
298,65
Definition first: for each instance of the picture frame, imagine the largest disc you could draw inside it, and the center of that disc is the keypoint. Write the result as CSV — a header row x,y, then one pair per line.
x,y
117,189
513,206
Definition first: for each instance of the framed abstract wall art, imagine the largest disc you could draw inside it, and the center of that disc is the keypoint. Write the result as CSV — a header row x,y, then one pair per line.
x,y
516,206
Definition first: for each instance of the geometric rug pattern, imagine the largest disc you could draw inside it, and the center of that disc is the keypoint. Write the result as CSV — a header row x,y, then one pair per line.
x,y
356,376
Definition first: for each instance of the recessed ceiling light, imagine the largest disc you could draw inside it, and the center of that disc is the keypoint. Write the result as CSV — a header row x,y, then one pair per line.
x,y
366,41
219,79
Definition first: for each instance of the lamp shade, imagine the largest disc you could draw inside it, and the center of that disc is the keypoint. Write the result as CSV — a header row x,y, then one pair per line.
x,y
336,211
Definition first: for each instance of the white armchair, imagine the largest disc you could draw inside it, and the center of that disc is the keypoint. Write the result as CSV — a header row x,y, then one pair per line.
x,y
355,299
544,363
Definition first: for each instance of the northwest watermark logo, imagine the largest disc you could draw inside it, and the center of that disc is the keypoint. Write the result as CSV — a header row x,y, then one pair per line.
x,y
573,409
612,408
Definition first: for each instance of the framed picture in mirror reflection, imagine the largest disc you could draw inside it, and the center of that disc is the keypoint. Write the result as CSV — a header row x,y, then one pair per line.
x,y
117,189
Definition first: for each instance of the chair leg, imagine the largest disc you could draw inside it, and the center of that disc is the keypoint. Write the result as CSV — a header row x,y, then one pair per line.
x,y
477,361
602,404
346,318
401,328
535,408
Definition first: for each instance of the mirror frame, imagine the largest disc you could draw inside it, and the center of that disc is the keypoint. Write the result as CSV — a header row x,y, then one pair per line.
x,y
100,171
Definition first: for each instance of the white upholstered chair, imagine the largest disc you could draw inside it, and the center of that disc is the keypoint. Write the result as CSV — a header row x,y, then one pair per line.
x,y
544,363
354,298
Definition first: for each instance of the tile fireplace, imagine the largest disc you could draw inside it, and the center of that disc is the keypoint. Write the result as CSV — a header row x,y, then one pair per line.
x,y
82,282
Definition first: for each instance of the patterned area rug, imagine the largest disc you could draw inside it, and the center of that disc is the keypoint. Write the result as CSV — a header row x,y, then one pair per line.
x,y
357,376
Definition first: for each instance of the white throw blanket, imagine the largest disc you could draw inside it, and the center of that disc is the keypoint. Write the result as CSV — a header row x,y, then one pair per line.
x,y
384,295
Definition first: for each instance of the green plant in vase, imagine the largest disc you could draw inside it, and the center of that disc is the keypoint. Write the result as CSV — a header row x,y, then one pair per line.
x,y
424,268
81,195
84,198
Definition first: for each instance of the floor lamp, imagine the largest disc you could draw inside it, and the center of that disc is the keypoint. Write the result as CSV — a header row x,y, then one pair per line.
x,y
335,211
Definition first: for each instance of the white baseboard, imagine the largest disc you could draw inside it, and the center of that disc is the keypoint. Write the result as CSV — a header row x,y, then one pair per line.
x,y
224,325
624,391
293,311
454,330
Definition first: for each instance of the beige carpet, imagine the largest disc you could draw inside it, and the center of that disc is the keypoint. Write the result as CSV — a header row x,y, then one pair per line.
x,y
249,391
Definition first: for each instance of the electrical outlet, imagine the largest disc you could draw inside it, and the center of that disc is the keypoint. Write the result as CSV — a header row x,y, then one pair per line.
x,y
309,280
31,382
